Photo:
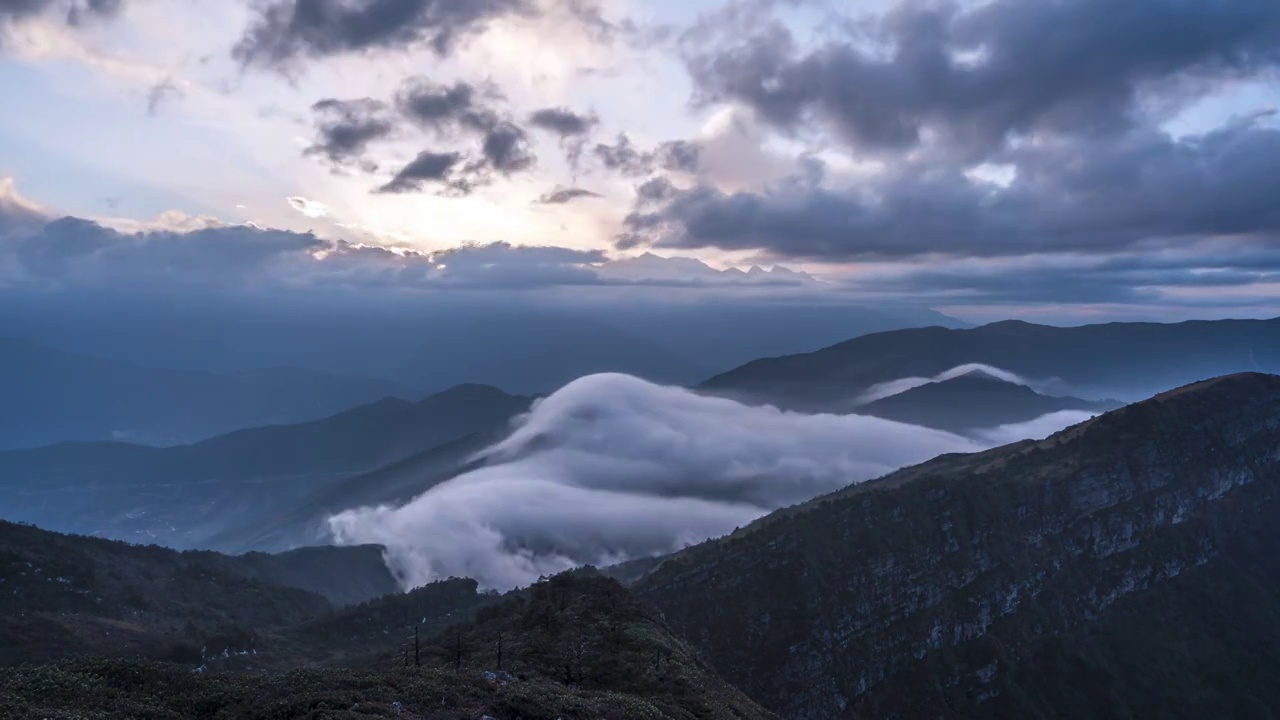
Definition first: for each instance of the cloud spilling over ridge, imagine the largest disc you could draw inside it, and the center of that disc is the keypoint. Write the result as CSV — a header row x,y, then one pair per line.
x,y
611,467
1041,427
883,390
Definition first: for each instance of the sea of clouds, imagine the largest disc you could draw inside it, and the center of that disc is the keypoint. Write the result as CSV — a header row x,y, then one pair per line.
x,y
611,467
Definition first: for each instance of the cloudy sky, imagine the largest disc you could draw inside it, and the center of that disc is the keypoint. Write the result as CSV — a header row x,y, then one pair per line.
x,y
1060,160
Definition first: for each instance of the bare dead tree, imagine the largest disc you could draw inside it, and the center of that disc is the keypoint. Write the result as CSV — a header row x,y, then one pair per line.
x,y
499,652
416,661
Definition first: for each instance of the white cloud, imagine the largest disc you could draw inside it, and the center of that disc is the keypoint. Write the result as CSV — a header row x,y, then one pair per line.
x,y
310,208
175,221
901,385
1040,427
612,467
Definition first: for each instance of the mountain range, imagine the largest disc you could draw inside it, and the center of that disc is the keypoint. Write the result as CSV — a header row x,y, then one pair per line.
x,y
184,496
1126,361
273,488
433,342
1124,567
52,396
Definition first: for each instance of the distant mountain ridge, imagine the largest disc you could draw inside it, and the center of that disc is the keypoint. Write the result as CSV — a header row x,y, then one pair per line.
x,y
53,396
185,495
1126,361
972,401
1135,554
434,342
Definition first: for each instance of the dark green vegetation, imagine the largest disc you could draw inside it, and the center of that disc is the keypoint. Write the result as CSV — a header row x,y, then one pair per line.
x,y
343,575
1121,360
110,689
378,631
199,635
1128,567
973,401
264,488
51,396
65,595
586,630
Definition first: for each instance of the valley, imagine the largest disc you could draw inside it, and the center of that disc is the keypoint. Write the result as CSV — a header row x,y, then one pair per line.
x,y
996,580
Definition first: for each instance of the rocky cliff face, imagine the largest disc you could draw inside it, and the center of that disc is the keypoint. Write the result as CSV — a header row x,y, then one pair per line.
x,y
956,588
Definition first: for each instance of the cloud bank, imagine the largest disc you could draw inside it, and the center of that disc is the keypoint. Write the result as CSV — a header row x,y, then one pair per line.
x,y
611,467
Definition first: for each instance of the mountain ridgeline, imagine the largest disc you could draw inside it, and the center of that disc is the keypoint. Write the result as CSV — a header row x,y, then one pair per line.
x,y
210,493
52,396
973,401
1128,361
1126,567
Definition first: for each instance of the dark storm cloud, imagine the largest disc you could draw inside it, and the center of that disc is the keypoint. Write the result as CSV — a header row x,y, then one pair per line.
x,y
81,251
427,168
81,254
75,12
563,122
506,148
460,112
286,31
679,155
448,108
625,158
16,213
570,127
78,12
345,128
1071,280
1091,194
563,195
975,77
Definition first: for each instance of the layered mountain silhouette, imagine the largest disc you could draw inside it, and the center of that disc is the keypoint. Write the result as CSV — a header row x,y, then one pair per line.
x,y
184,496
305,522
68,595
1128,566
1124,567
433,342
1127,361
972,401
52,396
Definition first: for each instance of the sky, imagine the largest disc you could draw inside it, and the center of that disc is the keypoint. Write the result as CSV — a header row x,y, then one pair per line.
x,y
1062,161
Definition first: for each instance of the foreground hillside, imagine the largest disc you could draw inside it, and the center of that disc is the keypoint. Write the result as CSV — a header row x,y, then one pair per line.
x,y
62,596
132,631
1125,567
109,689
